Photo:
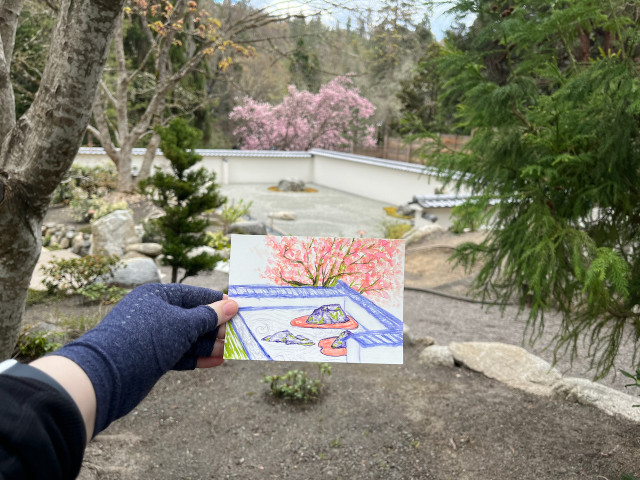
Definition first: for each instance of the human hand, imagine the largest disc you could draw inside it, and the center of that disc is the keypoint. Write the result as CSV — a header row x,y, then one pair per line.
x,y
157,327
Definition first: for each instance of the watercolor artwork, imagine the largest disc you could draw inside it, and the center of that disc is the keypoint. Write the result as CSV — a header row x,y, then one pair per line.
x,y
316,299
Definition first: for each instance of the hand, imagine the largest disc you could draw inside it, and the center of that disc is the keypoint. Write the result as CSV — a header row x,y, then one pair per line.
x,y
152,330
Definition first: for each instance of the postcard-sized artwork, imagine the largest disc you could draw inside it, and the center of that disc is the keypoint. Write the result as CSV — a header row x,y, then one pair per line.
x,y
316,299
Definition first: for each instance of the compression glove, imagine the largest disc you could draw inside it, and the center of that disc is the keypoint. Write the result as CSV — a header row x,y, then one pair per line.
x,y
155,328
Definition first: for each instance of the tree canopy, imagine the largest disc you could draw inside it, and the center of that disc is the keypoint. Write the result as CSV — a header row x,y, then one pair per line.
x,y
550,92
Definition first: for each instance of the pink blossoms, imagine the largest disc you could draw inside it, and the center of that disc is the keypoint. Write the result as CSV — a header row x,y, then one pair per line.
x,y
372,267
334,118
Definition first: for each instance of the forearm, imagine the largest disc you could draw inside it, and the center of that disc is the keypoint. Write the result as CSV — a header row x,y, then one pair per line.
x,y
77,384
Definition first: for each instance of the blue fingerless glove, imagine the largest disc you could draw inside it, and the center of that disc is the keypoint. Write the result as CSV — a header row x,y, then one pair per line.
x,y
155,328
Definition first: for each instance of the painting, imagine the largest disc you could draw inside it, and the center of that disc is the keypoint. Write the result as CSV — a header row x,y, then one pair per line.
x,y
316,299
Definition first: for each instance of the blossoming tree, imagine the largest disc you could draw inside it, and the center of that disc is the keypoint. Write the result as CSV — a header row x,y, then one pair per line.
x,y
334,118
372,267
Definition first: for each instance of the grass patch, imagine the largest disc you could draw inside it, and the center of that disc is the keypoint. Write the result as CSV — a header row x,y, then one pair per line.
x,y
74,326
34,343
395,230
35,297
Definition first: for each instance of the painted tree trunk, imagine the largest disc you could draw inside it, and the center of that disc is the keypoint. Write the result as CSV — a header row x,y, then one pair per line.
x,y
38,150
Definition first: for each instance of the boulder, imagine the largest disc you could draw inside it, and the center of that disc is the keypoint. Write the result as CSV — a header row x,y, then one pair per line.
x,y
437,355
136,271
327,314
341,340
251,227
112,233
291,185
608,400
288,338
149,249
405,210
47,256
289,216
509,364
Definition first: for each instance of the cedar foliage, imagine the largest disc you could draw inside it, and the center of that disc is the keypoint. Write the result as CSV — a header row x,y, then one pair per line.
x,y
184,194
551,93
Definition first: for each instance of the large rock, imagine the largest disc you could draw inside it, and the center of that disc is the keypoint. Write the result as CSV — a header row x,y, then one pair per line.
x,y
327,314
509,364
47,256
203,249
250,227
149,249
437,355
611,401
291,185
112,233
136,271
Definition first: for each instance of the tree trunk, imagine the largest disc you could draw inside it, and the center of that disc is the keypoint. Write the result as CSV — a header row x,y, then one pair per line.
x,y
40,148
149,156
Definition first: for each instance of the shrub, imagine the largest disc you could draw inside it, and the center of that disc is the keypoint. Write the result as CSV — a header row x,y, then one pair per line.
x,y
635,378
78,273
218,240
232,211
184,194
296,386
103,293
84,181
395,229
33,343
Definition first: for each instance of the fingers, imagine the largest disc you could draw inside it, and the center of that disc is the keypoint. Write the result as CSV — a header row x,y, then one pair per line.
x,y
187,296
225,309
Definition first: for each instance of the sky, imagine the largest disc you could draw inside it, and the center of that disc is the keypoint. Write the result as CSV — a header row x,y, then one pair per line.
x,y
440,20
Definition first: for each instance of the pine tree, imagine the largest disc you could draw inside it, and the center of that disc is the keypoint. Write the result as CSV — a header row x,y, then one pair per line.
x,y
556,140
184,194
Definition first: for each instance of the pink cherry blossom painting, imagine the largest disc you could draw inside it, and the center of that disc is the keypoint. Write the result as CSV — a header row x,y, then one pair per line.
x,y
319,299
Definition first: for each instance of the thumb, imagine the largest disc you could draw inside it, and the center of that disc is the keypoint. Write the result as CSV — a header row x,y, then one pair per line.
x,y
225,309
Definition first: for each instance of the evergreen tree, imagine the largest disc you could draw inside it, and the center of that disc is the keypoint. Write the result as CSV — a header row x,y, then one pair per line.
x,y
184,194
556,140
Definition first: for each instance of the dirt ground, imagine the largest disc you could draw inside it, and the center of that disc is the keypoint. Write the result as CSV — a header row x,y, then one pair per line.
x,y
373,421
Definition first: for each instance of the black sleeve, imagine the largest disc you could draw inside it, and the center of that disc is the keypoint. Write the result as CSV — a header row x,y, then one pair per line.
x,y
42,434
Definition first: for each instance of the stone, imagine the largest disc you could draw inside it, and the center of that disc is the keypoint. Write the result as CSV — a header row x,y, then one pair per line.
x,y
341,340
608,400
419,233
112,233
70,234
203,249
327,314
509,364
291,185
65,243
251,227
439,355
289,216
47,256
425,341
285,336
149,249
136,271
405,210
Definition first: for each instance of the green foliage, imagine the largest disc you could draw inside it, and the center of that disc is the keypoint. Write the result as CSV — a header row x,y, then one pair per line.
x,y
82,182
103,293
75,326
34,343
635,378
218,240
77,274
91,208
556,142
395,229
184,194
232,211
35,297
296,386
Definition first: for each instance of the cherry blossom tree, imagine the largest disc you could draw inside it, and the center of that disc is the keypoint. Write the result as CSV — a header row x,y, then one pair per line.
x,y
334,118
372,267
